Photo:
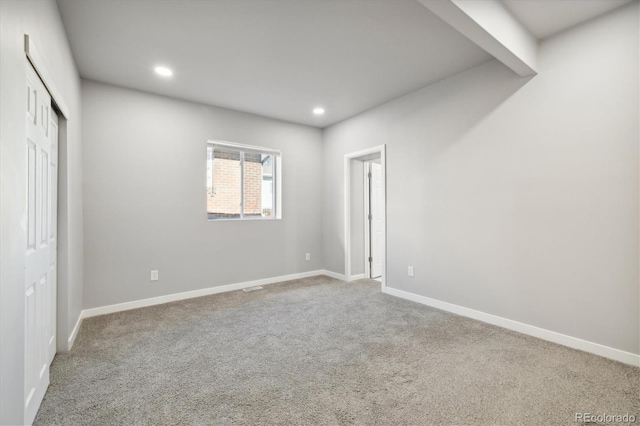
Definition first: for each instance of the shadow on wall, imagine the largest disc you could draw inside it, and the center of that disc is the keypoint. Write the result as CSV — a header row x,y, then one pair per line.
x,y
441,189
452,108
418,129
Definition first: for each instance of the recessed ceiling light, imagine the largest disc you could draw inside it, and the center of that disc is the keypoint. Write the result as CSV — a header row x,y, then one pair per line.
x,y
163,71
318,111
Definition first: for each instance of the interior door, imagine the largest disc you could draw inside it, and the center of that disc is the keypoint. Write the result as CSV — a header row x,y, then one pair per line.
x,y
377,225
52,295
39,320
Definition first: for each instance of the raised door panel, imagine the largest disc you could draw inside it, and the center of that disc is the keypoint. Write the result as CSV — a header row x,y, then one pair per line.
x,y
44,199
31,195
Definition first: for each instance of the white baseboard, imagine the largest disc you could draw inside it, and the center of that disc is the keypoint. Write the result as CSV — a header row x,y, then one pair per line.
x,y
74,332
357,277
135,304
334,275
541,333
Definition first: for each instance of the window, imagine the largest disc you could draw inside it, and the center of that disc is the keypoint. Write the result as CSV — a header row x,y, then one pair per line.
x,y
243,182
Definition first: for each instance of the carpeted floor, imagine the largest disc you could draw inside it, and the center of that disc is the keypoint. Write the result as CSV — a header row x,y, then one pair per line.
x,y
319,351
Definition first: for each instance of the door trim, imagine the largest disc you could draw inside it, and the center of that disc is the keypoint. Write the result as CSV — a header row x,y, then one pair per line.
x,y
364,154
38,64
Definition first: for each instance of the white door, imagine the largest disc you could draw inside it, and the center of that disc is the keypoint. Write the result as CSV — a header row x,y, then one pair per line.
x,y
40,257
53,236
377,225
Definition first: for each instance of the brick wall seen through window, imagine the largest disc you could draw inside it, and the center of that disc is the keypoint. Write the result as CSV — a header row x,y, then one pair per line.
x,y
230,170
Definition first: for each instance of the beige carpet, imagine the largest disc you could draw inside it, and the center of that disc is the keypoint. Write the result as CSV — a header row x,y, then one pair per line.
x,y
319,351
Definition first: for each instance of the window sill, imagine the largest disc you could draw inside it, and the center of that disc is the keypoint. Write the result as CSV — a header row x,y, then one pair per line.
x,y
244,219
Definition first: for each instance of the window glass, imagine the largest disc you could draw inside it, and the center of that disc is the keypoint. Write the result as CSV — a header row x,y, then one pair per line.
x,y
224,195
242,182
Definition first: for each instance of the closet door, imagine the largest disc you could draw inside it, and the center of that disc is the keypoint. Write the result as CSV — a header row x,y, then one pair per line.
x,y
38,286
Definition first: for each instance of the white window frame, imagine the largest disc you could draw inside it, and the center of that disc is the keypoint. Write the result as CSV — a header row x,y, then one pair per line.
x,y
276,177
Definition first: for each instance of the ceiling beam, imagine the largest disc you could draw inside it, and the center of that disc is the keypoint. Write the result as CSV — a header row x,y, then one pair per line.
x,y
490,25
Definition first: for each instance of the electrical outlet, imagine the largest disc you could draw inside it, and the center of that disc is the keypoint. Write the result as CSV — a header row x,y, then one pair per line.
x,y
154,275
410,271
308,256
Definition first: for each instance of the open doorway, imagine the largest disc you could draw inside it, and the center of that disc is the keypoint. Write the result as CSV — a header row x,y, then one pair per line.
x,y
365,215
373,219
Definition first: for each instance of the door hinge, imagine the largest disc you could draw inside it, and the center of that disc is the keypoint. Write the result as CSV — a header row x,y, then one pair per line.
x,y
369,174
370,259
370,217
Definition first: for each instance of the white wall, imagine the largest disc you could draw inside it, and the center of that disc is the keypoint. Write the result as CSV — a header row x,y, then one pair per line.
x,y
41,20
512,196
144,181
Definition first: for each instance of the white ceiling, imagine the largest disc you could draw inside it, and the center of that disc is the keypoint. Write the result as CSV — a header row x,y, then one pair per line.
x,y
282,58
546,17
277,58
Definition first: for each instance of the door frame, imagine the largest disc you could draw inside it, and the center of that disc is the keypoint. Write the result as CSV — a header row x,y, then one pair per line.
x,y
38,64
364,155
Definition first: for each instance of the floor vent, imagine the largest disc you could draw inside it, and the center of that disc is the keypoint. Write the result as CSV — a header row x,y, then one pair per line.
x,y
258,287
